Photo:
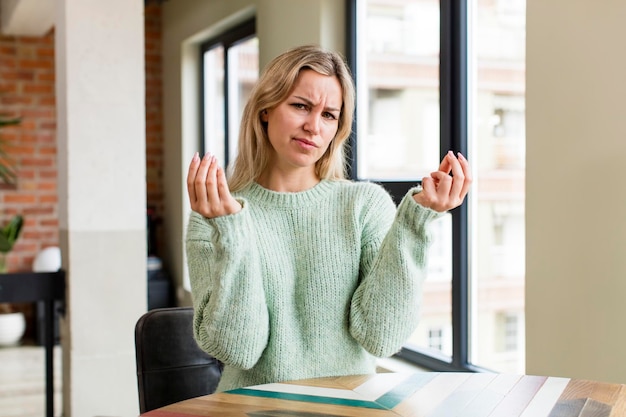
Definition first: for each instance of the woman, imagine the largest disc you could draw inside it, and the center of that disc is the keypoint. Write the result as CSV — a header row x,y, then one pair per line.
x,y
295,271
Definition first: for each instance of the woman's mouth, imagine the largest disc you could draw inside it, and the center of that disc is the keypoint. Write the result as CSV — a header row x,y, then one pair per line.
x,y
305,143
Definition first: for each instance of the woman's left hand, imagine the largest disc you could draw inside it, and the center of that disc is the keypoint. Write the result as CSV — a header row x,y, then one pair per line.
x,y
442,191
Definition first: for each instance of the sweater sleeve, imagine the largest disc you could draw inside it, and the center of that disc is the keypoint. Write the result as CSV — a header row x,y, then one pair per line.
x,y
231,319
385,306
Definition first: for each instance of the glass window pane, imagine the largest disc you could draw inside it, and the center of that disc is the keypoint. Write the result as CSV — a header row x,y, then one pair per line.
x,y
434,332
243,72
398,132
498,148
214,132
398,96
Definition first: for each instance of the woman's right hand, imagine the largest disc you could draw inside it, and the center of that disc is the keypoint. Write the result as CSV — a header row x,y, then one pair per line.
x,y
207,188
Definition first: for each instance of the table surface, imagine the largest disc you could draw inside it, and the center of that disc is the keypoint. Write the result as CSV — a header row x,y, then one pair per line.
x,y
428,394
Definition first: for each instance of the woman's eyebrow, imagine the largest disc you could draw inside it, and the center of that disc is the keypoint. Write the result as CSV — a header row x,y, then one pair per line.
x,y
310,103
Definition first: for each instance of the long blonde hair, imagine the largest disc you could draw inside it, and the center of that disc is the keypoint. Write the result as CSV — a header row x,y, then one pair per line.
x,y
274,86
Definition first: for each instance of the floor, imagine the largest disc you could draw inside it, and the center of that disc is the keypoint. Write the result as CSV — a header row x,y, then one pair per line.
x,y
22,381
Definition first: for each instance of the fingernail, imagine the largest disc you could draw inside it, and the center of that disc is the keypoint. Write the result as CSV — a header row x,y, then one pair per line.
x,y
195,157
461,155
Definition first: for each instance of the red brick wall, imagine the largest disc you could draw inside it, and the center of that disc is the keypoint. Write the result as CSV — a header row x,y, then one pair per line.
x,y
27,91
27,83
154,120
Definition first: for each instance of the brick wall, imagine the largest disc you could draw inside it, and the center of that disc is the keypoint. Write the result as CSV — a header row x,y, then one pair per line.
x,y
27,84
154,123
27,91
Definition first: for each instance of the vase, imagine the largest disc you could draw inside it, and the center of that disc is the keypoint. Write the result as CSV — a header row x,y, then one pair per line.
x,y
12,328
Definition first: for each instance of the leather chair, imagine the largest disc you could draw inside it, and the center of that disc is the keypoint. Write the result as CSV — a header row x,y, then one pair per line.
x,y
170,365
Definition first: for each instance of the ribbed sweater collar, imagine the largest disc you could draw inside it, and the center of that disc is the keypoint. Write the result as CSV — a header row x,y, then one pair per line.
x,y
261,195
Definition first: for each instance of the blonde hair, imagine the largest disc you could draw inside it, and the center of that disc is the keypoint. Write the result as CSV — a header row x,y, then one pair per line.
x,y
273,87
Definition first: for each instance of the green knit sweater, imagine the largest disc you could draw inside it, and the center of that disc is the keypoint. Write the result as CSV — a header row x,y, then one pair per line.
x,y
308,284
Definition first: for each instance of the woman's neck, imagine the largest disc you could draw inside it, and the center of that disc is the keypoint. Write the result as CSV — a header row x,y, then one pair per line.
x,y
288,182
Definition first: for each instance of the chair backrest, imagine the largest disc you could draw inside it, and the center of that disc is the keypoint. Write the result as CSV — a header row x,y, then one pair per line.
x,y
170,365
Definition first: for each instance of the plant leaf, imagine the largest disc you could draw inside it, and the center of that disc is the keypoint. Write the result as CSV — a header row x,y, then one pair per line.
x,y
7,165
10,233
5,246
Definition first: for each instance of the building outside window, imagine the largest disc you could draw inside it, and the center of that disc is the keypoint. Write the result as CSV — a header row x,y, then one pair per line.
x,y
435,339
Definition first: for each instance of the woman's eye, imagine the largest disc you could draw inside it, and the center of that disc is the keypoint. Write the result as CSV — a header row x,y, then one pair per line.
x,y
299,106
328,115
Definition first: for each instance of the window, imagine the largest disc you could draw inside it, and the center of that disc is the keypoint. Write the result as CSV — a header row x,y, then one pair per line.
x,y
230,67
436,75
435,339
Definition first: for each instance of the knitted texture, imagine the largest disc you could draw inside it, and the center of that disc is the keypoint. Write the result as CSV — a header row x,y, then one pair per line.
x,y
308,284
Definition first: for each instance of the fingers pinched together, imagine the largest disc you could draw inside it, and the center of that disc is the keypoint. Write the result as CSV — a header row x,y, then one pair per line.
x,y
442,191
208,190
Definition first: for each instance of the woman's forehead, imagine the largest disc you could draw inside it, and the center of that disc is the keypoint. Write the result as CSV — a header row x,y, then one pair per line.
x,y
318,88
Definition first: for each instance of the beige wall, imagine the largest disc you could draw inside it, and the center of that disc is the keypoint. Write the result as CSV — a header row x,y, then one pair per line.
x,y
281,24
576,204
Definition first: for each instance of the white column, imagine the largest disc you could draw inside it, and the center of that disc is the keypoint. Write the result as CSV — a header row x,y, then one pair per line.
x,y
102,199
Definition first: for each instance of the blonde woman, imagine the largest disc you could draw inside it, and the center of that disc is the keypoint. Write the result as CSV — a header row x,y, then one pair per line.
x,y
297,272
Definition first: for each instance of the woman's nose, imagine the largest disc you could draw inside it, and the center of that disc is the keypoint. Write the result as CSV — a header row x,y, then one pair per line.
x,y
312,124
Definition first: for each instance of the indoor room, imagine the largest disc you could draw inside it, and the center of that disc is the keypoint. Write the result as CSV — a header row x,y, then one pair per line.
x,y
104,104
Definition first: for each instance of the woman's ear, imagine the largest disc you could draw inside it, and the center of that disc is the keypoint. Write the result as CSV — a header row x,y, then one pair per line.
x,y
264,116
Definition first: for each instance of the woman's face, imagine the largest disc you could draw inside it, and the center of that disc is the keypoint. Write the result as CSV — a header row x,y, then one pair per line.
x,y
302,126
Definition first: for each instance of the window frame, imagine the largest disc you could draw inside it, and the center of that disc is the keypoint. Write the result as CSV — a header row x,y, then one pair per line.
x,y
453,74
232,37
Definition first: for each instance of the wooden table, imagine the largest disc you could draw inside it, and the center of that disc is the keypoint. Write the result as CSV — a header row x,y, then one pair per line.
x,y
427,394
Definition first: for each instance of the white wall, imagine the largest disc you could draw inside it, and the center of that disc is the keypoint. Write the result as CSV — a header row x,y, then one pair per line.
x,y
576,204
281,24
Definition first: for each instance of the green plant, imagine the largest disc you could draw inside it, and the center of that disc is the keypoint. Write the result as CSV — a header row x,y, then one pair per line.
x,y
10,232
7,169
8,235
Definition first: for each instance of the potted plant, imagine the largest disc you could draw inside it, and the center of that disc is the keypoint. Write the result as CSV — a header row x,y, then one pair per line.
x,y
8,176
12,322
8,235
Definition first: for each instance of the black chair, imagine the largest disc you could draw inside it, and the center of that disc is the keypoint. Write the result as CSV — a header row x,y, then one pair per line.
x,y
170,365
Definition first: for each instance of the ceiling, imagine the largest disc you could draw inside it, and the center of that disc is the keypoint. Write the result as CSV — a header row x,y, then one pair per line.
x,y
26,17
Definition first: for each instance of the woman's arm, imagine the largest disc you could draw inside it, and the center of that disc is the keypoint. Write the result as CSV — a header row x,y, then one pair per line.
x,y
231,320
385,306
